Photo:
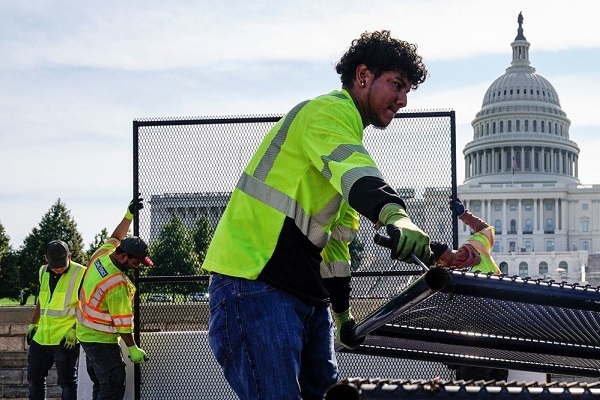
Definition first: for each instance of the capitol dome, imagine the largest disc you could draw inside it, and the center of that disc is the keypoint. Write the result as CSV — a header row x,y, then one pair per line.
x,y
521,134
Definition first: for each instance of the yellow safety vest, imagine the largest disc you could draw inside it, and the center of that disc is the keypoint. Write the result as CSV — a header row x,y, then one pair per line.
x,y
105,298
57,310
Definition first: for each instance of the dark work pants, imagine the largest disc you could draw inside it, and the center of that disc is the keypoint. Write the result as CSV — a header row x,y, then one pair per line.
x,y
40,360
106,368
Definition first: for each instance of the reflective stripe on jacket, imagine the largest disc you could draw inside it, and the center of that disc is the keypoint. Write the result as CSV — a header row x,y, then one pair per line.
x,y
336,254
483,241
57,310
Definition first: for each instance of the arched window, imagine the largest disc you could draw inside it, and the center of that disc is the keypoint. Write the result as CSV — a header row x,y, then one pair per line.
x,y
494,127
564,265
523,269
510,126
513,226
528,227
498,226
526,125
535,126
543,268
504,268
518,125
501,126
542,126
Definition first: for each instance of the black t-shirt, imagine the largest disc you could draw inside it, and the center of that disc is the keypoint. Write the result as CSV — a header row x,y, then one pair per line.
x,y
54,277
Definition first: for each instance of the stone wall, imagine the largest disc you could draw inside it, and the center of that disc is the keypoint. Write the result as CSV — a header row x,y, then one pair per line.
x,y
13,355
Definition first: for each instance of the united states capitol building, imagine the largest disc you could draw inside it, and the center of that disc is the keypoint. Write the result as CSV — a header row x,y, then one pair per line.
x,y
521,176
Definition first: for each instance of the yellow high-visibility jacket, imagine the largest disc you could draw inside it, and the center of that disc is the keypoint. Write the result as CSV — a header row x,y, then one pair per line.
x,y
57,311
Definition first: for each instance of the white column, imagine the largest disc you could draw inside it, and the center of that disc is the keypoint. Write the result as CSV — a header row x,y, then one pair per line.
x,y
522,162
556,215
563,213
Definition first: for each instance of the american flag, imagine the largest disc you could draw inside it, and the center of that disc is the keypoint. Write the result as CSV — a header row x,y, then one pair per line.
x,y
514,163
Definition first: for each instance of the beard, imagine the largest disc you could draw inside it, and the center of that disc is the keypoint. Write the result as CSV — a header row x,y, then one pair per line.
x,y
373,117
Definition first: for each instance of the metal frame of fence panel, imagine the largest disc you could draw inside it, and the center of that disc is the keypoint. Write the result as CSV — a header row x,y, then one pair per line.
x,y
186,169
492,321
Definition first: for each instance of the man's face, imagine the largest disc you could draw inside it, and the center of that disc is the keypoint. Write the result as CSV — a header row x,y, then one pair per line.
x,y
127,262
446,259
387,94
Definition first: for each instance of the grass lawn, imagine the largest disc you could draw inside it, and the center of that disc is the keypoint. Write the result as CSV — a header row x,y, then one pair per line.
x,y
9,302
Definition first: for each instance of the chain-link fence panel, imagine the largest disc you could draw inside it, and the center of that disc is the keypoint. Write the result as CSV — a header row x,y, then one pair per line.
x,y
186,169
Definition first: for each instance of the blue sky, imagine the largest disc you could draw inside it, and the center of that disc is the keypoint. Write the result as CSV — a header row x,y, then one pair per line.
x,y
75,74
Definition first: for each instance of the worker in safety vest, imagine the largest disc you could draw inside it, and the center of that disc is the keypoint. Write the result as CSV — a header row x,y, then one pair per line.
x,y
51,334
270,326
475,253
105,313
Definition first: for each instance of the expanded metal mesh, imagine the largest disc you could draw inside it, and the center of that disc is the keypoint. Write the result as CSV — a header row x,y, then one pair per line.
x,y
186,169
492,321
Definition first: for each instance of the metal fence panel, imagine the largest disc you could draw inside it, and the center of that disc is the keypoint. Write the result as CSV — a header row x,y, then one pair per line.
x,y
186,170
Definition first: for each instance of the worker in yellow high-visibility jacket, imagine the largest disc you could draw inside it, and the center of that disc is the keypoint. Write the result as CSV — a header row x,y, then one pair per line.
x,y
476,255
51,334
105,313
270,325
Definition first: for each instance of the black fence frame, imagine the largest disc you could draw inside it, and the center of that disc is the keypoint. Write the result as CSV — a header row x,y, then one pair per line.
x,y
137,124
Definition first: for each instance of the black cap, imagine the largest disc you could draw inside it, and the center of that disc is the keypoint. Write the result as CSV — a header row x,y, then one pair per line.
x,y
137,248
57,252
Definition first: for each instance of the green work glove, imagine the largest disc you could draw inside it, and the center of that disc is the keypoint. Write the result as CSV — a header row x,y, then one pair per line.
x,y
344,323
31,330
137,355
70,339
134,206
406,237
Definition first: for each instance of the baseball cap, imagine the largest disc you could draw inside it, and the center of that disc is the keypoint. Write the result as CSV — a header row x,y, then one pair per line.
x,y
137,248
57,252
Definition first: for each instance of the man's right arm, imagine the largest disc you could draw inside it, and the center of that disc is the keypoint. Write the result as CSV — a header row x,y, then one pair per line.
x,y
474,222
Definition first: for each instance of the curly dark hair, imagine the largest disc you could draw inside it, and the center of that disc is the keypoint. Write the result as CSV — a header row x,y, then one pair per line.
x,y
380,53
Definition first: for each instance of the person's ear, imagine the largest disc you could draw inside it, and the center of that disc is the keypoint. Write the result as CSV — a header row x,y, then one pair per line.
x,y
362,75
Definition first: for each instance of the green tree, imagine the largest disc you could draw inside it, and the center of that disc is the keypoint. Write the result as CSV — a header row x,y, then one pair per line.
x,y
56,224
202,232
98,241
174,255
9,271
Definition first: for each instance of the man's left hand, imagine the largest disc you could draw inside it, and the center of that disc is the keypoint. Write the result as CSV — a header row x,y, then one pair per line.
x,y
70,340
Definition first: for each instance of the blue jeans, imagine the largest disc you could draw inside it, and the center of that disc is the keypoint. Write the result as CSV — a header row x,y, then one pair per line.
x,y
40,360
270,345
106,369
